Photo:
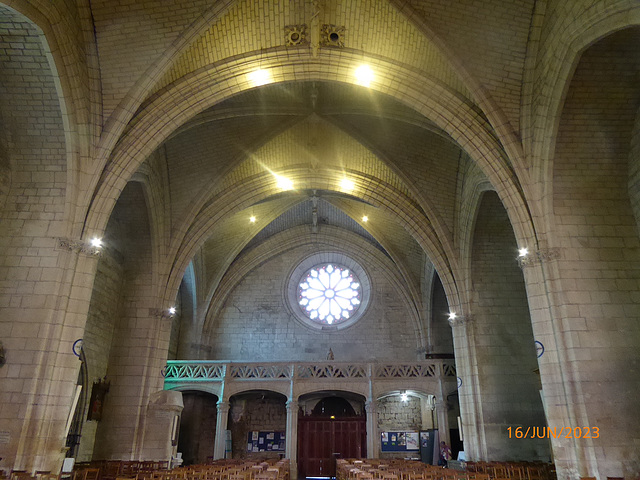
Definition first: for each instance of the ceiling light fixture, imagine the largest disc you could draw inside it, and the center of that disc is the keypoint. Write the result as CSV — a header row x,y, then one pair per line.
x,y
364,75
347,184
284,183
259,77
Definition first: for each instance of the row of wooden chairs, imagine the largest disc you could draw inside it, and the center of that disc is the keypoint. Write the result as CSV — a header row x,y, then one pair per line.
x,y
396,469
514,470
218,470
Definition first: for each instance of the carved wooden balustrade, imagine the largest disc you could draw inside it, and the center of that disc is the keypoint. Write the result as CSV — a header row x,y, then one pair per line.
x,y
428,375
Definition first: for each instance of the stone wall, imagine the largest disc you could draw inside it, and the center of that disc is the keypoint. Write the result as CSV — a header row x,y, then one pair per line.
x,y
255,412
394,415
597,235
256,324
32,197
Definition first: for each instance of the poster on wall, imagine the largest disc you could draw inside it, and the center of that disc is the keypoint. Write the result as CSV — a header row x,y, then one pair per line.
x,y
412,439
399,441
266,442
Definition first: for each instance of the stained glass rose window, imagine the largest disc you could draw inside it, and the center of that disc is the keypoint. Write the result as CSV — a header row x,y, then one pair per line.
x,y
329,294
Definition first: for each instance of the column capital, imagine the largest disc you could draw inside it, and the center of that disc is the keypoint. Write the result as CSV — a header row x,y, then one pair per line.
x,y
160,313
223,407
460,320
78,246
539,256
370,406
292,404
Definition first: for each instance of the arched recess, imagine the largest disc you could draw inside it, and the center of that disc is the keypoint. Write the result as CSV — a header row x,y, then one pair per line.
x,y
505,391
251,411
33,173
134,357
547,83
598,266
197,427
327,239
404,410
459,119
77,92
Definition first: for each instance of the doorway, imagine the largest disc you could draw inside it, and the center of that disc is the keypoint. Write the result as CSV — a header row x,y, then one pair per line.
x,y
332,429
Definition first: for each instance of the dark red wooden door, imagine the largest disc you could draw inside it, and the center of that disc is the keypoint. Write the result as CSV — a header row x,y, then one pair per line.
x,y
320,438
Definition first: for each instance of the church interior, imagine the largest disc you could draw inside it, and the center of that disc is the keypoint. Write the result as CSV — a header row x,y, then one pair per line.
x,y
231,228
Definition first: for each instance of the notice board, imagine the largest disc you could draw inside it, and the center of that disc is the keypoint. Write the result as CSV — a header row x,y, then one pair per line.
x,y
266,442
399,441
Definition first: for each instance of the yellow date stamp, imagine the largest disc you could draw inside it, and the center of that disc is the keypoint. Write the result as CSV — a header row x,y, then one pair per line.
x,y
555,432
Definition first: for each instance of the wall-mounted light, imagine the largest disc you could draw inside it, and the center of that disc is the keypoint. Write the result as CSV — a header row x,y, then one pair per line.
x,y
365,218
452,315
96,242
404,397
252,219
523,252
172,311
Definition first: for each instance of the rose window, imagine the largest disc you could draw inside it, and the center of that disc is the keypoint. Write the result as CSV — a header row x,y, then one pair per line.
x,y
329,294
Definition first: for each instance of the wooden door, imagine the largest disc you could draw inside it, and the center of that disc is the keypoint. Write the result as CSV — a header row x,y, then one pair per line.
x,y
321,440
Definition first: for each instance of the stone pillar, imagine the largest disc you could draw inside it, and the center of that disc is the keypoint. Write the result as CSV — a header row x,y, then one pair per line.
x,y
468,394
443,421
221,430
292,437
427,406
441,409
372,429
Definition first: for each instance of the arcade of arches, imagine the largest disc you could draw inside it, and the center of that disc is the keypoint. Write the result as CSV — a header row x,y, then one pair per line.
x,y
169,171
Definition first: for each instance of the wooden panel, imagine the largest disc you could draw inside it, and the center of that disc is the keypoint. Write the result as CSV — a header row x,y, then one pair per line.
x,y
320,438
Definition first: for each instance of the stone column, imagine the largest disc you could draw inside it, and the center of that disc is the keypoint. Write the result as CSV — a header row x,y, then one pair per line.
x,y
441,408
443,421
468,393
292,437
372,429
221,430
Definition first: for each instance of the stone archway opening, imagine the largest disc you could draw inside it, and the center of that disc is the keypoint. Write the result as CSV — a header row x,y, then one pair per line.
x,y
258,425
196,439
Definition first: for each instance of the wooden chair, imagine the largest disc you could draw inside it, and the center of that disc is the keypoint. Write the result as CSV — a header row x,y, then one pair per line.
x,y
87,474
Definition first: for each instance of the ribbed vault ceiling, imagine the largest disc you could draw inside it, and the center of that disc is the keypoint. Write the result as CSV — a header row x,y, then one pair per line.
x,y
318,126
